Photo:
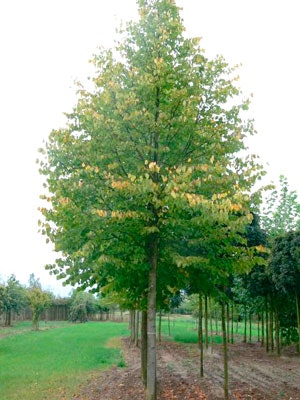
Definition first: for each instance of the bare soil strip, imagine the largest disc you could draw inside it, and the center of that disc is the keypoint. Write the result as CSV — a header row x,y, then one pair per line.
x,y
253,375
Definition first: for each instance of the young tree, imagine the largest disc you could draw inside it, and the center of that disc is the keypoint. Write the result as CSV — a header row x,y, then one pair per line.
x,y
148,158
82,304
38,300
281,210
12,298
285,269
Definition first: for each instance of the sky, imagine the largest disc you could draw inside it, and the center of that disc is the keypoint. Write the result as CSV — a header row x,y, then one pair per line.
x,y
46,45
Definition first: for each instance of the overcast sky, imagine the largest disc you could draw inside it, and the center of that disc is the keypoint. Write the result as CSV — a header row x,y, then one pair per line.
x,y
45,45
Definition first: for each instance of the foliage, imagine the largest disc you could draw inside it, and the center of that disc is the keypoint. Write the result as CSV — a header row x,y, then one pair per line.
x,y
12,298
285,262
281,210
38,300
82,304
151,152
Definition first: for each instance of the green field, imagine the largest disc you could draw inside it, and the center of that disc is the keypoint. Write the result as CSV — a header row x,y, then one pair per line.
x,y
51,363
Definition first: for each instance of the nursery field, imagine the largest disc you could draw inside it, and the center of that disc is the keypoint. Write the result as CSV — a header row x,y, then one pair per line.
x,y
95,361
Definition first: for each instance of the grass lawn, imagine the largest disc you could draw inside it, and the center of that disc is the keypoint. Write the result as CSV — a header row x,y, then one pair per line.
x,y
50,363
185,330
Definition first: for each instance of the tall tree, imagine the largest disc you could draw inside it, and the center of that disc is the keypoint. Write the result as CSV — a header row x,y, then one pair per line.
x,y
148,158
285,269
281,210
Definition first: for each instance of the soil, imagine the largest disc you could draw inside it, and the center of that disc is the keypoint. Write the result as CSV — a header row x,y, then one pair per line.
x,y
253,375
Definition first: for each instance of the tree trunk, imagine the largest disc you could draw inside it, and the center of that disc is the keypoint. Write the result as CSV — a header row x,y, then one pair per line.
x,y
232,319
267,329
250,327
132,326
228,321
271,328
277,331
211,327
151,320
206,321
144,347
262,329
245,324
298,319
169,325
200,334
7,318
159,326
137,326
225,352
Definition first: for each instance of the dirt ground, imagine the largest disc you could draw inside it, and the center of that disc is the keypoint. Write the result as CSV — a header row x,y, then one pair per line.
x,y
253,375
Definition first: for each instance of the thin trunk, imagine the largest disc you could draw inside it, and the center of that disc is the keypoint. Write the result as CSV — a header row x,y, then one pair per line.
x,y
225,353
216,321
7,318
206,320
245,324
232,319
250,327
144,347
262,329
267,329
228,321
159,326
298,319
277,331
258,327
271,328
151,322
169,325
132,326
211,326
200,334
137,327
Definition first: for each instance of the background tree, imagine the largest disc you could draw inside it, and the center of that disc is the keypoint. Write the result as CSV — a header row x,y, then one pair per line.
x,y
149,152
281,210
38,300
82,305
12,298
285,269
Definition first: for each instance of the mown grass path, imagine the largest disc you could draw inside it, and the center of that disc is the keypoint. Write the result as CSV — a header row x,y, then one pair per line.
x,y
51,363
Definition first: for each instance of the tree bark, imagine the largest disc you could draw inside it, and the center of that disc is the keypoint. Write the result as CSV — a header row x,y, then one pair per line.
x,y
151,321
298,319
277,331
200,334
137,325
225,352
267,329
245,324
206,320
262,329
159,326
211,326
144,347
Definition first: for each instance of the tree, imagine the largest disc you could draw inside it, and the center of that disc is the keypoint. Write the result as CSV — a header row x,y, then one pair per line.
x,y
150,156
38,300
285,269
281,210
12,298
82,304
